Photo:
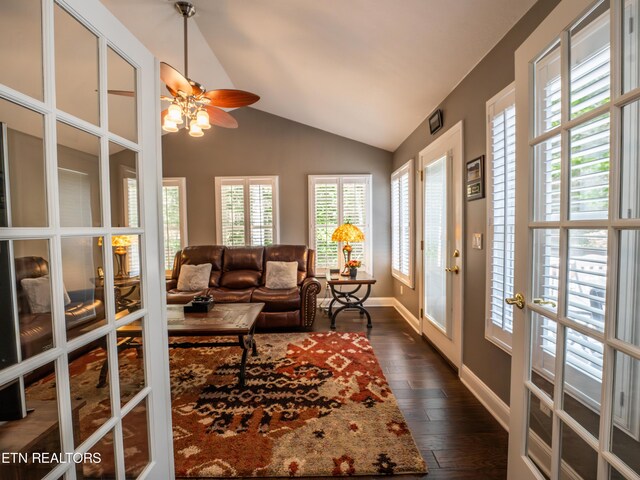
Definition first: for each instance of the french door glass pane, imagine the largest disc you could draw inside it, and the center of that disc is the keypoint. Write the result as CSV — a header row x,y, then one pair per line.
x,y
435,243
21,40
546,206
589,197
587,277
82,263
23,192
123,179
135,434
39,431
583,379
76,55
546,268
78,177
626,407
131,365
89,389
547,91
590,61
628,314
539,435
577,454
127,274
105,468
121,85
630,45
630,162
543,353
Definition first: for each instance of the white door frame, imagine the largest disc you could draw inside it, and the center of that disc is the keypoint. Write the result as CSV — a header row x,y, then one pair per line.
x,y
450,143
111,33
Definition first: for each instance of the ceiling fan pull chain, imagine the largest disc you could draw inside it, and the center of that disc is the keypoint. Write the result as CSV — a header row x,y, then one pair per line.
x,y
186,47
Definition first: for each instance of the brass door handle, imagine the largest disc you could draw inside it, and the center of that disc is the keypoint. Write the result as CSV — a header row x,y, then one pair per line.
x,y
542,301
455,269
517,300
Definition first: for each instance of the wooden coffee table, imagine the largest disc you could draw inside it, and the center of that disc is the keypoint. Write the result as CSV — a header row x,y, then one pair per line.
x,y
224,319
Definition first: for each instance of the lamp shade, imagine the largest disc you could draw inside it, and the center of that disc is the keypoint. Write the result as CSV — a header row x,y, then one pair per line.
x,y
347,233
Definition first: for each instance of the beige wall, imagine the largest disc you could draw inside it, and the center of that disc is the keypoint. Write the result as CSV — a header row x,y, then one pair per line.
x,y
266,144
467,102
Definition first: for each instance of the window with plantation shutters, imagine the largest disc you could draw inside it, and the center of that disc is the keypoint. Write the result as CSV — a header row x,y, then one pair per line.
x,y
174,215
402,223
247,211
334,200
501,175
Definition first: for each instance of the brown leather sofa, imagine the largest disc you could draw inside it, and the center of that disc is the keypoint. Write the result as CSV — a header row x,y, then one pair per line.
x,y
237,276
36,333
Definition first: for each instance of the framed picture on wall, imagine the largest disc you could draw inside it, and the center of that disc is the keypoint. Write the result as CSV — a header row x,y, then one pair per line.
x,y
435,121
475,178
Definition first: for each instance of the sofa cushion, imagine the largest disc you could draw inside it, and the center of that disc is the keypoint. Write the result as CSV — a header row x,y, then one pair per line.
x,y
277,300
194,277
242,267
38,292
178,297
228,295
197,255
281,275
289,253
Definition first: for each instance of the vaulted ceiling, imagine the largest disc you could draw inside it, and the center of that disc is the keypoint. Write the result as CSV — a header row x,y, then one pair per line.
x,y
369,70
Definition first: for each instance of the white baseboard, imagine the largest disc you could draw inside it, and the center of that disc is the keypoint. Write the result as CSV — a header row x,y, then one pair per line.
x,y
486,396
380,302
407,315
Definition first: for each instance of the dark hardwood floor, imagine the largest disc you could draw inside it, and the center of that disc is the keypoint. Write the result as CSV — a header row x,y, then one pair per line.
x,y
457,436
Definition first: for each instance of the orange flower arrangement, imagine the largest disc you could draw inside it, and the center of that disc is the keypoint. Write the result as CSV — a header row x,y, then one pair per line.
x,y
354,263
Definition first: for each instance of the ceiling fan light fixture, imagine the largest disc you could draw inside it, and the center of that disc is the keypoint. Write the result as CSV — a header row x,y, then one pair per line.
x,y
202,119
169,125
175,114
195,130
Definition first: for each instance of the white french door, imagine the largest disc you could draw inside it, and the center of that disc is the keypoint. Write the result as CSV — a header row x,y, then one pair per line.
x,y
441,203
65,142
575,385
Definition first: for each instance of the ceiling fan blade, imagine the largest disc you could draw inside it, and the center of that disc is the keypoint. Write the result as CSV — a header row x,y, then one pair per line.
x,y
231,98
122,93
220,118
174,79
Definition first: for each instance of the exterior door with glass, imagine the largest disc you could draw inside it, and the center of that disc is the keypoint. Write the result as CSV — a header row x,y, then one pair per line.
x,y
575,396
441,299
79,249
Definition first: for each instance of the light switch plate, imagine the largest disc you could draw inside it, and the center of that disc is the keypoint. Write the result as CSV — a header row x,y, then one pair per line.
x,y
477,241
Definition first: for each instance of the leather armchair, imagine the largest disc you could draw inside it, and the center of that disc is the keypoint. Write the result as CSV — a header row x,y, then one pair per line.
x,y
237,276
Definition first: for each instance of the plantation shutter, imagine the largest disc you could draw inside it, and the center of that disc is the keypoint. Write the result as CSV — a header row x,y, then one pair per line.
x,y
502,217
587,250
131,219
233,219
325,221
354,211
401,223
261,212
172,227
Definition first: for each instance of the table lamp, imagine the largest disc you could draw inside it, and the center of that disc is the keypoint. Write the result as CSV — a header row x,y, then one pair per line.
x,y
346,233
119,244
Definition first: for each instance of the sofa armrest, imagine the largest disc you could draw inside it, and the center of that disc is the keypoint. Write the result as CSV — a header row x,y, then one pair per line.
x,y
308,299
171,284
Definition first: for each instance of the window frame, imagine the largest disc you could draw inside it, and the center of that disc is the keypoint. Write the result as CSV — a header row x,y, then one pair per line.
x,y
406,169
181,183
246,181
498,103
367,178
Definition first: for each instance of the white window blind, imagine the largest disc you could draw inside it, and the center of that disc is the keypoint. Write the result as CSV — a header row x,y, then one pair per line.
x,y
334,200
501,176
247,210
174,218
131,219
402,223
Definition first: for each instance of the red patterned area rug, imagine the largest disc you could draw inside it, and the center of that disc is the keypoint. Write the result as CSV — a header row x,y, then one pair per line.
x,y
315,404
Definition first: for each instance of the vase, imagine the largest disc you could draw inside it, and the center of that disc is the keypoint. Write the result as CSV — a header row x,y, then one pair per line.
x,y
353,272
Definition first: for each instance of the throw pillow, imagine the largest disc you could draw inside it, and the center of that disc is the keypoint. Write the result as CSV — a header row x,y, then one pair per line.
x,y
38,291
282,275
194,277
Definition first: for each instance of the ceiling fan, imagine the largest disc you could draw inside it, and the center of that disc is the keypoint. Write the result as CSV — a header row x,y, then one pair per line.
x,y
192,106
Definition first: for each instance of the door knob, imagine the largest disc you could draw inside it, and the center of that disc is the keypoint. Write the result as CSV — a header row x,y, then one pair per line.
x,y
517,300
455,269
